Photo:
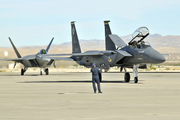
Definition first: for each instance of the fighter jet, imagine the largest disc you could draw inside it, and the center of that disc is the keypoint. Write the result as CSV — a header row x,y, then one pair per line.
x,y
136,54
37,60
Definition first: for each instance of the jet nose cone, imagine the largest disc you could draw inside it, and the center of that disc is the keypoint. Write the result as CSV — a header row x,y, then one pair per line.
x,y
156,57
160,58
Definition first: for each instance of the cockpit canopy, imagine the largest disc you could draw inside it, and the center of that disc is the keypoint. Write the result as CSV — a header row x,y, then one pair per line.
x,y
139,34
42,51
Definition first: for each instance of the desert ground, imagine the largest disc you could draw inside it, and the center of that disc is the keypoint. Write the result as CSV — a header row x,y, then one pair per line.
x,y
69,96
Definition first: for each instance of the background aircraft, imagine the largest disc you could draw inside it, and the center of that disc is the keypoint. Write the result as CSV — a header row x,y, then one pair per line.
x,y
134,55
36,60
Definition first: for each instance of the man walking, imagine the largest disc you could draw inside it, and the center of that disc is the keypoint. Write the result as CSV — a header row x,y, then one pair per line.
x,y
95,78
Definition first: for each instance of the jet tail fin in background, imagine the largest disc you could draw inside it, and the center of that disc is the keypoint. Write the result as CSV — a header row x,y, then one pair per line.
x,y
15,49
75,41
109,43
49,45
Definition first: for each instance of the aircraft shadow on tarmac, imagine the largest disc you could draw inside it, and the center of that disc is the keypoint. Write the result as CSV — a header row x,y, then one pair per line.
x,y
19,75
77,81
30,74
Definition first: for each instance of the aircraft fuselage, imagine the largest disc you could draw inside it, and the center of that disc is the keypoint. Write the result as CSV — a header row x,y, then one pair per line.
x,y
36,61
110,58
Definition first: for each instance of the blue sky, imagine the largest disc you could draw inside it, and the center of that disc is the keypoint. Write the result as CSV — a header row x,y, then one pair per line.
x,y
35,22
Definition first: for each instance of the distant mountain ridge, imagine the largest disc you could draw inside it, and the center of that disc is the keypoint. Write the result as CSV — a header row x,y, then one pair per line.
x,y
156,40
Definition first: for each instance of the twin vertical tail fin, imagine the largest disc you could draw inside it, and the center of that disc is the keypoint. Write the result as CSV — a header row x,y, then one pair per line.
x,y
15,49
47,49
75,41
109,43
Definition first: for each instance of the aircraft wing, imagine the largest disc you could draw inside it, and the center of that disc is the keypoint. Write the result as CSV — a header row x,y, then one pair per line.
x,y
77,54
13,59
60,58
117,40
57,54
29,57
91,53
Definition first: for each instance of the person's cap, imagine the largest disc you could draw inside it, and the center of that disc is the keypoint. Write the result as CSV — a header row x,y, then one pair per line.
x,y
93,64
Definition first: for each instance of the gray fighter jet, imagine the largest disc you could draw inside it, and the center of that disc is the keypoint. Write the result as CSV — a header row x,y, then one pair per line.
x,y
37,60
134,55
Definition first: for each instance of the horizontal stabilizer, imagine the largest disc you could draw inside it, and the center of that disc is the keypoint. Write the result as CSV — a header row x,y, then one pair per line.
x,y
117,40
14,59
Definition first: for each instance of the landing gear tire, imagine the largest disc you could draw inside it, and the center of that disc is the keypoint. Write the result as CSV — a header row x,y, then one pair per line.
x,y
135,79
40,72
47,71
22,72
127,77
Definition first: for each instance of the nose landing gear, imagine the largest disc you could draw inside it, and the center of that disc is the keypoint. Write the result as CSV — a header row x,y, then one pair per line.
x,y
127,75
135,71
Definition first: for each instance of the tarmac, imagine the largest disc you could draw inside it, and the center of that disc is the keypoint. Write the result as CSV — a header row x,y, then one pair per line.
x,y
69,96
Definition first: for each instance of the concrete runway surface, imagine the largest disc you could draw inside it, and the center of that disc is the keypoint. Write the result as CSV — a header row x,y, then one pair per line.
x,y
69,96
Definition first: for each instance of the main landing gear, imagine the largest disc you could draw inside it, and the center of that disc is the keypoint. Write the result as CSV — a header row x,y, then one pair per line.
x,y
23,70
127,75
46,70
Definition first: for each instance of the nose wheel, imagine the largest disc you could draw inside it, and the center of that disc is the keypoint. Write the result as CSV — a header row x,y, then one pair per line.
x,y
135,71
135,79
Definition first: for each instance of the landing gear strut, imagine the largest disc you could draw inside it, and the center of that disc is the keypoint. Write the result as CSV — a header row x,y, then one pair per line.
x,y
23,70
135,71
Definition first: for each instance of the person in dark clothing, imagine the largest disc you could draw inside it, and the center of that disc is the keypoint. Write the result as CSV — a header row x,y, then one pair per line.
x,y
95,78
